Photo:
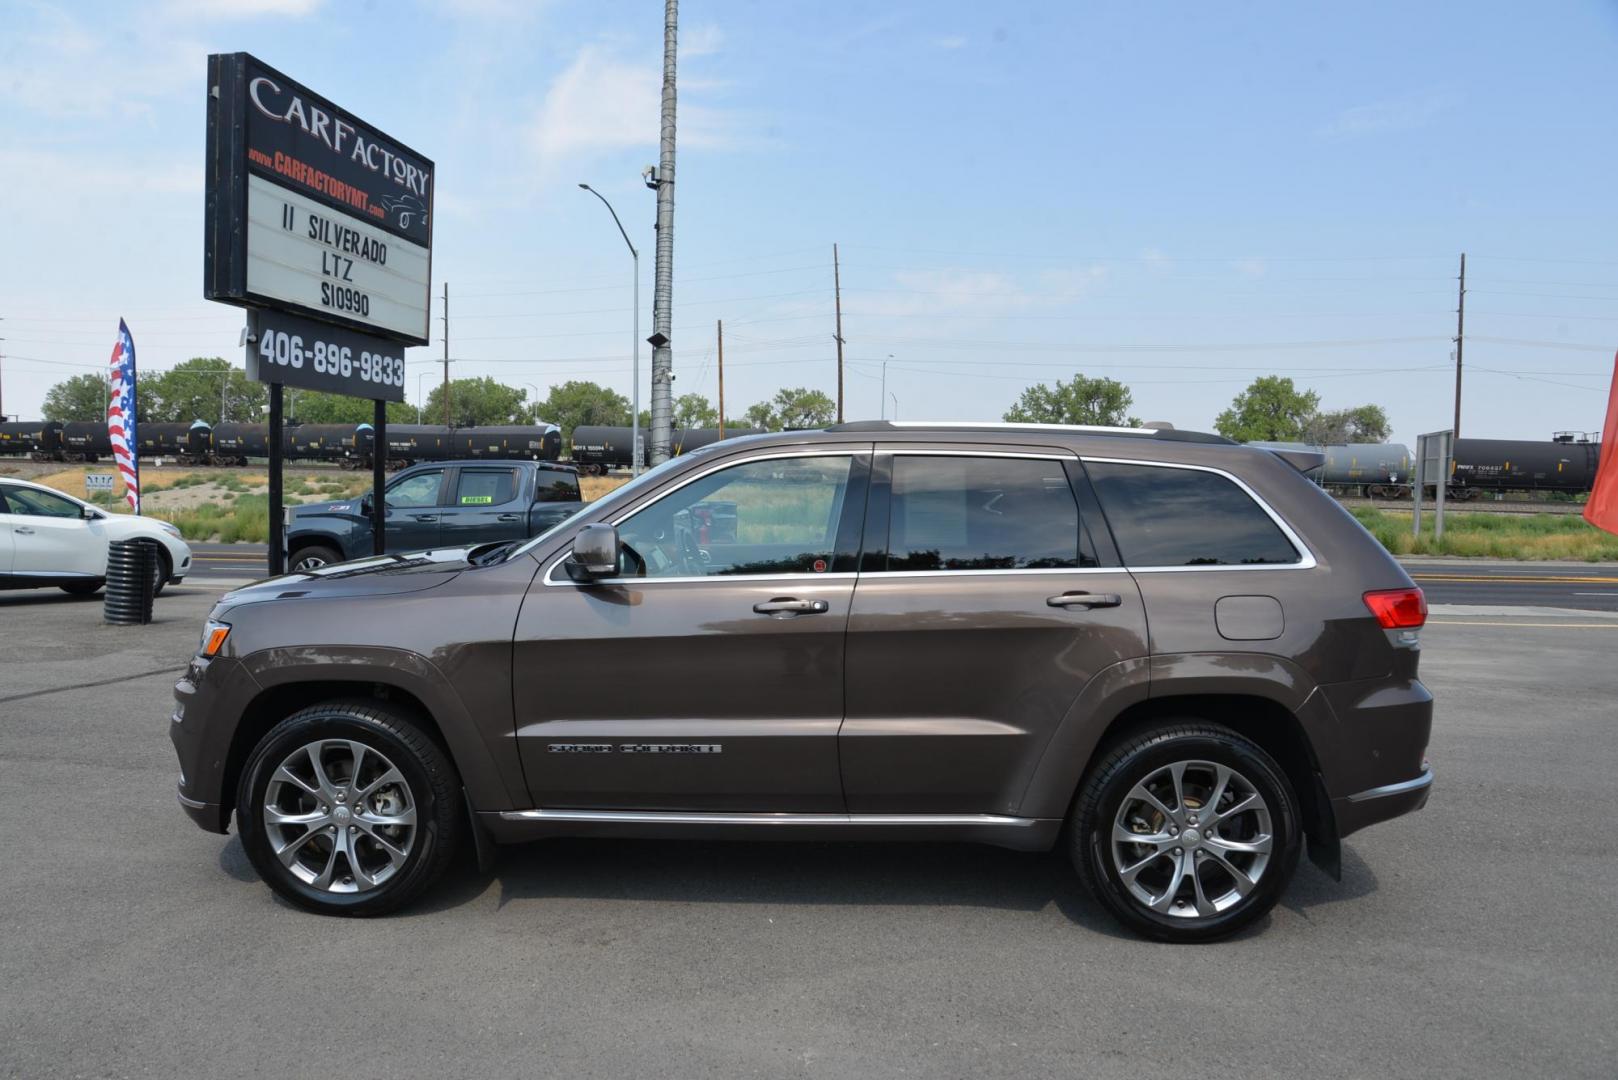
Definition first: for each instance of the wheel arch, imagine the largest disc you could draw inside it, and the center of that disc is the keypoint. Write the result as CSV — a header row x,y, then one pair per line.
x,y
298,541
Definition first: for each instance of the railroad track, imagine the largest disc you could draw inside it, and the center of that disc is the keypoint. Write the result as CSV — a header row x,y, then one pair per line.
x,y
1481,505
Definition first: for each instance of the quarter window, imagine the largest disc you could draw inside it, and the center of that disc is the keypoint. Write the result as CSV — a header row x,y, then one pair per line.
x,y
982,513
1185,517
554,485
33,503
777,516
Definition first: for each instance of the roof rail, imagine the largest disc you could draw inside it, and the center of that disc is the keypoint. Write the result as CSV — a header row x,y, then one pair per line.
x,y
1161,434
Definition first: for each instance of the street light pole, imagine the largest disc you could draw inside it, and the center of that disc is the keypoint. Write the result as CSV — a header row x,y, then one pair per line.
x,y
634,395
883,405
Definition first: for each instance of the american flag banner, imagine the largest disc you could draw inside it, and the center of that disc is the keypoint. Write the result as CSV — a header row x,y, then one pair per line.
x,y
121,415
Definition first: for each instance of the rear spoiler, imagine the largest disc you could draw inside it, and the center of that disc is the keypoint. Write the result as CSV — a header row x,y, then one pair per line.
x,y
1308,462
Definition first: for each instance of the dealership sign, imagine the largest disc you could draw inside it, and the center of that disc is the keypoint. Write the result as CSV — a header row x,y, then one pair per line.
x,y
311,211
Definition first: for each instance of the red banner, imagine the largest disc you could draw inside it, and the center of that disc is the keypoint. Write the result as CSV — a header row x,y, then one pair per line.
x,y
1602,509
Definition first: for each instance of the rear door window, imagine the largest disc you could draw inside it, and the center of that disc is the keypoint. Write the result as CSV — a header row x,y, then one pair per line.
x,y
556,485
1171,516
485,487
957,512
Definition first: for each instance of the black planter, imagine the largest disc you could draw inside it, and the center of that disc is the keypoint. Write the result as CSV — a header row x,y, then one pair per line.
x,y
130,568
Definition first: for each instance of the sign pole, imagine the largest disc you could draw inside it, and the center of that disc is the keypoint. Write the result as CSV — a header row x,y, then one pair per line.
x,y
379,474
278,553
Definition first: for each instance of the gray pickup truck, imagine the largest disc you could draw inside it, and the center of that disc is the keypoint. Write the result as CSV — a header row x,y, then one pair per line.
x,y
441,504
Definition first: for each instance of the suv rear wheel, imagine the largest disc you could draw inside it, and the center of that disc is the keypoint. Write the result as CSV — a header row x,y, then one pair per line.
x,y
348,808
1186,832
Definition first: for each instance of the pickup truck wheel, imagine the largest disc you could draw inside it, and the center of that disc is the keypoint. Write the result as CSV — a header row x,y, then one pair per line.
x,y
348,808
313,557
1186,832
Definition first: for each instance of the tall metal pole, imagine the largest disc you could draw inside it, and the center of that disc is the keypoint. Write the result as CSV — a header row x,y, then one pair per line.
x,y
446,354
634,393
1460,344
883,407
663,297
379,477
721,378
837,294
277,551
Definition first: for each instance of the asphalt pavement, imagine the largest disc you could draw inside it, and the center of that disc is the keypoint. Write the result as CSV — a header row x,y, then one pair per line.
x,y
1471,940
1587,586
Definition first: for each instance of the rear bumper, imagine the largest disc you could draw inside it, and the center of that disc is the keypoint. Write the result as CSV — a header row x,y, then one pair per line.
x,y
1376,804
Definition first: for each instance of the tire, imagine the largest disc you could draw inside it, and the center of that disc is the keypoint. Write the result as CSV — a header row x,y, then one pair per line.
x,y
337,865
313,556
161,569
1141,882
83,588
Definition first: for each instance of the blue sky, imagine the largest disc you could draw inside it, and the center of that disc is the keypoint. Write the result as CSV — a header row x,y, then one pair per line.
x,y
1181,196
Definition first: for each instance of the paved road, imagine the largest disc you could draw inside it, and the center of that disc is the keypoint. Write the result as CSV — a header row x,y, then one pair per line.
x,y
1593,587
1471,940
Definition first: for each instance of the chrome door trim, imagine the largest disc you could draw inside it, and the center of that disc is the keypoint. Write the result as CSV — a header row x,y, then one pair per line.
x,y
660,817
1306,557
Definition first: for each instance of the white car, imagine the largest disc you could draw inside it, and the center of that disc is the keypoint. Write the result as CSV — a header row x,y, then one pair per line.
x,y
48,538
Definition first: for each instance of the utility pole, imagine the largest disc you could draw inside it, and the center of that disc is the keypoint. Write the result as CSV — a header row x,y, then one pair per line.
x,y
2,382
663,294
446,354
1460,342
722,378
837,297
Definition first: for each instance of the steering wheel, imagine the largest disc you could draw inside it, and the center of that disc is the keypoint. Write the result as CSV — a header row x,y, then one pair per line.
x,y
692,561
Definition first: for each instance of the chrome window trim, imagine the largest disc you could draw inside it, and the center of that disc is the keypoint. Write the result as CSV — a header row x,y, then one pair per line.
x,y
1043,455
549,580
1306,557
658,817
895,575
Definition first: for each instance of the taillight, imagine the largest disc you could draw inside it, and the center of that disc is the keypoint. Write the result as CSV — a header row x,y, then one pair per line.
x,y
1398,609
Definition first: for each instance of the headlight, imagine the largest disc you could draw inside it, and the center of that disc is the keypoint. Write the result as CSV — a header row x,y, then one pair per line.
x,y
168,527
214,634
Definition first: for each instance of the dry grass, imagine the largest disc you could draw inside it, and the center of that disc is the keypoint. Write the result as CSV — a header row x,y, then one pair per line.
x,y
1493,536
593,487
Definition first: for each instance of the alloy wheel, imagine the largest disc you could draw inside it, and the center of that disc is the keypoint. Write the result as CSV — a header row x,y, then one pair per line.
x,y
1192,839
339,816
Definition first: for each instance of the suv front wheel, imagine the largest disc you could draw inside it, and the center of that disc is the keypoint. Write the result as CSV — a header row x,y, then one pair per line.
x,y
348,808
1186,832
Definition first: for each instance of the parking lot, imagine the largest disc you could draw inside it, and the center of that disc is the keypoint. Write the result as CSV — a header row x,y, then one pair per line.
x,y
1472,939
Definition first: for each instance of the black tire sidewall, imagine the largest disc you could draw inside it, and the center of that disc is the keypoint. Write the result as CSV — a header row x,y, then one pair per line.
x,y
330,556
435,810
1091,839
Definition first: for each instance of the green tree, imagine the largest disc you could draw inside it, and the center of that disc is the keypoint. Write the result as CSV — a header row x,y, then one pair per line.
x,y
83,397
478,402
578,402
793,408
1271,409
207,388
694,411
1363,423
318,407
1083,401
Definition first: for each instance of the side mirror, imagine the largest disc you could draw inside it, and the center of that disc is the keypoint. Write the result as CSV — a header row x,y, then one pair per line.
x,y
90,513
367,503
594,554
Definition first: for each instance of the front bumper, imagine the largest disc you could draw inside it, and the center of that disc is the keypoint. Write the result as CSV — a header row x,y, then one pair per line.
x,y
209,701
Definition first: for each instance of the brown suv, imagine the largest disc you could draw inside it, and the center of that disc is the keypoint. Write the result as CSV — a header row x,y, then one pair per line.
x,y
1174,655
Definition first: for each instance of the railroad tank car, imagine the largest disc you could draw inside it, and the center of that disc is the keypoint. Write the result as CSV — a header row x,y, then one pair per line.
x,y
348,445
86,440
234,443
1314,473
1566,465
187,443
599,447
1380,468
38,439
508,442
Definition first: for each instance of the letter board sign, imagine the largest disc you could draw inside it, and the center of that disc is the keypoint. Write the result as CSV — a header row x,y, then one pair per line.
x,y
311,210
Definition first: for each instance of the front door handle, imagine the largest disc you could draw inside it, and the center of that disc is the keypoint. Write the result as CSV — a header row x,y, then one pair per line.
x,y
784,607
429,518
1084,600
509,517
23,530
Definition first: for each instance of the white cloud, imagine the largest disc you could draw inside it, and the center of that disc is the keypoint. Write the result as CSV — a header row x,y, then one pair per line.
x,y
950,41
243,9
1398,114
67,73
704,40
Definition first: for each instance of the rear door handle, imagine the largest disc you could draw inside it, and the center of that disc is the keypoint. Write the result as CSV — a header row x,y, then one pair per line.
x,y
509,517
783,607
424,517
1085,600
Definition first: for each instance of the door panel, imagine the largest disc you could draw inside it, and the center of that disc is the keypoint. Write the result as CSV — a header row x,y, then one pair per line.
x,y
688,683
957,679
486,505
50,537
413,511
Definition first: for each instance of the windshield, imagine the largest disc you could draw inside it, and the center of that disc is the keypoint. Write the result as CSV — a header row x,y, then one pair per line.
x,y
613,498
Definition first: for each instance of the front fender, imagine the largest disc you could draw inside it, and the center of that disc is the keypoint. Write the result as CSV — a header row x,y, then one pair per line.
x,y
494,779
